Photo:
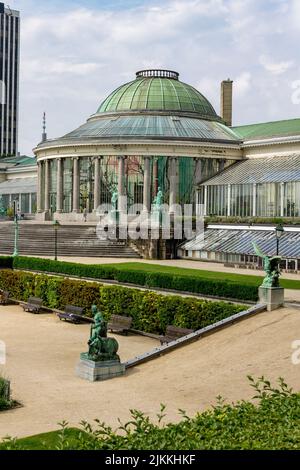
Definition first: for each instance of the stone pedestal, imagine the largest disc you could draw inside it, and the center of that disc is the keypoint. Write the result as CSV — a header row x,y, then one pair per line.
x,y
272,296
99,371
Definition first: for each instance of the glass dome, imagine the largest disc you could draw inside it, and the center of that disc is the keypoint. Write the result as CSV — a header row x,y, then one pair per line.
x,y
158,90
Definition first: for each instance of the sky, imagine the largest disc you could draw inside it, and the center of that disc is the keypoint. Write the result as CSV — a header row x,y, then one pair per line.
x,y
75,53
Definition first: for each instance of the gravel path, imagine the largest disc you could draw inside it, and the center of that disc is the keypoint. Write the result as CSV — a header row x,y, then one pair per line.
x,y
42,353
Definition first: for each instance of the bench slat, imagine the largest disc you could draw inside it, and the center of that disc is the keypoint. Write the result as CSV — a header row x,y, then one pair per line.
x,y
173,333
120,324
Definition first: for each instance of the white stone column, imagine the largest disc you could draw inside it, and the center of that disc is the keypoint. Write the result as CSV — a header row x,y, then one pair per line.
x,y
147,184
97,188
76,184
59,189
229,201
39,197
205,200
173,182
254,199
47,186
282,200
121,185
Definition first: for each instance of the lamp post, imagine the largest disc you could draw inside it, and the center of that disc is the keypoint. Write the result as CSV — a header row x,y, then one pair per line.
x,y
279,232
56,225
16,223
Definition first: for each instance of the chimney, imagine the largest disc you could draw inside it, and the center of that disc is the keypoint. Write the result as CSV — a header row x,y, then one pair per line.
x,y
226,101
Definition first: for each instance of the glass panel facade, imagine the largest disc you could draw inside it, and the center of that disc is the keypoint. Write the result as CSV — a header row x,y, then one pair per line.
x,y
24,206
109,178
217,200
291,199
87,177
53,184
241,200
268,200
68,184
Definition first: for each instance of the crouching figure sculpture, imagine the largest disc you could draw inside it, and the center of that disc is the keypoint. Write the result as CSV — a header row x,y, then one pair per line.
x,y
101,348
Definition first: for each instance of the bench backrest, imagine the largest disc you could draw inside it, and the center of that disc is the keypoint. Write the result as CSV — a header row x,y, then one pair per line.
x,y
177,332
120,320
35,301
73,309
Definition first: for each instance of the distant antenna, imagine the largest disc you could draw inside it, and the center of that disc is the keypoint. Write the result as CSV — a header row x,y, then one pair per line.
x,y
9,10
44,136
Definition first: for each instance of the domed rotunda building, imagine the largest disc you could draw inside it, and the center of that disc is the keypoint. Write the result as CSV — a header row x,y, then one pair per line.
x,y
154,132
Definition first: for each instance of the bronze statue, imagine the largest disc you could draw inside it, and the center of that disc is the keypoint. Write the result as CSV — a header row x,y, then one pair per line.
x,y
271,266
101,348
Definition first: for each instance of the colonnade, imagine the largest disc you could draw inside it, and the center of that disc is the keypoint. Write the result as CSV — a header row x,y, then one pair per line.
x,y
43,194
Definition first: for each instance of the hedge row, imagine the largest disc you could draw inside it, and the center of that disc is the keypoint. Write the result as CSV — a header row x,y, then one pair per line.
x,y
6,262
151,312
216,288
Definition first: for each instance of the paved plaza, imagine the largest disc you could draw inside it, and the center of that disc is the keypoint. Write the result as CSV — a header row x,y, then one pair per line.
x,y
42,353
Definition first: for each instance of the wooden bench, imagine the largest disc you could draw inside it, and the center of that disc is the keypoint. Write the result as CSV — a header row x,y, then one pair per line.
x,y
120,324
4,297
173,333
74,315
34,305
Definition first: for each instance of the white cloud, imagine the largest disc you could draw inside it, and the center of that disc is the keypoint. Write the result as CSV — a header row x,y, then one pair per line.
x,y
276,68
72,59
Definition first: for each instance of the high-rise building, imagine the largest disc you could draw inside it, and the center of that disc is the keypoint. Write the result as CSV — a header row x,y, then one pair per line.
x,y
9,76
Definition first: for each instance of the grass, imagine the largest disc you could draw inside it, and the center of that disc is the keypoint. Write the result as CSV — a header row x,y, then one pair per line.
x,y
270,421
239,278
47,441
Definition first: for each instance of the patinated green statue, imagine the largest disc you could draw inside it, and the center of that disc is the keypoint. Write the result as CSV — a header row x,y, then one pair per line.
x,y
114,199
271,267
101,348
2,208
158,200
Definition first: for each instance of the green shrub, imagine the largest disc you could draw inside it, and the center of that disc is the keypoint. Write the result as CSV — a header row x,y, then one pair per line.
x,y
270,422
5,401
195,284
6,262
151,312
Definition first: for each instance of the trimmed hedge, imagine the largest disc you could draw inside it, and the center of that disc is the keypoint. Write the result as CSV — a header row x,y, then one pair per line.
x,y
151,312
216,288
6,262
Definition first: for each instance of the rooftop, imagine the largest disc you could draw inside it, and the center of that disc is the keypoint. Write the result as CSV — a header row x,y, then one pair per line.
x,y
158,90
274,169
264,130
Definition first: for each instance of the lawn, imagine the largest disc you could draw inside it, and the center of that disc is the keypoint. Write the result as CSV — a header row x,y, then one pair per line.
x,y
48,441
239,278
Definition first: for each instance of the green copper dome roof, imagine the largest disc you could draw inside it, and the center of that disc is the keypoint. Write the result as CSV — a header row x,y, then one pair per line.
x,y
158,90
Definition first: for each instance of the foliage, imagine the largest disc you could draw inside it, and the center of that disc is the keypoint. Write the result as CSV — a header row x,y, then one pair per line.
x,y
271,424
6,262
214,219
10,212
151,312
189,281
5,402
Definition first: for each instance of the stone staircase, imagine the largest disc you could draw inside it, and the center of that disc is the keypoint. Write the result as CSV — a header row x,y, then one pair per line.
x,y
72,240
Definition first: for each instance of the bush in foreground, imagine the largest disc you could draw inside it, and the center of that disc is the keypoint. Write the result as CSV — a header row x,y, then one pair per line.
x,y
271,424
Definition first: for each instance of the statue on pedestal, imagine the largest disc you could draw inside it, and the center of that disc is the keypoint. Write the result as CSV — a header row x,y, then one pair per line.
x,y
114,199
158,200
101,348
271,267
